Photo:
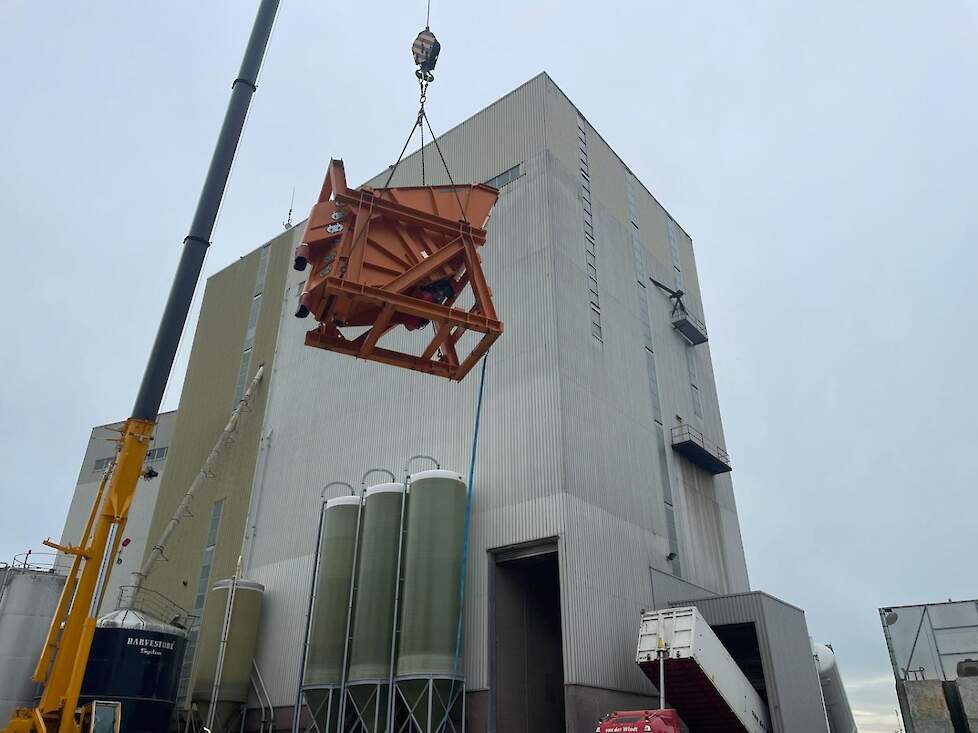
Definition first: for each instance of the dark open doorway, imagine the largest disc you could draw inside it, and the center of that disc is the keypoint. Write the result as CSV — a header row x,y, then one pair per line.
x,y
527,644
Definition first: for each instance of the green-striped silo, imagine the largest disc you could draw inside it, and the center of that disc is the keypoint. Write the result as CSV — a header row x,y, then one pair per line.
x,y
328,624
373,614
432,571
238,652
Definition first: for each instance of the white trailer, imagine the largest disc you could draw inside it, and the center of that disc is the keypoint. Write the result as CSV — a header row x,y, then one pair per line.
x,y
702,681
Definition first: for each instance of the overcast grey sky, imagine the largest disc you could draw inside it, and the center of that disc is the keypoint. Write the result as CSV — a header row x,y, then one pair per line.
x,y
822,155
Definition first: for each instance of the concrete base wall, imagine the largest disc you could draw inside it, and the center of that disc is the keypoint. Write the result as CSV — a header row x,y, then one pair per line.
x,y
927,706
476,716
584,706
968,693
477,711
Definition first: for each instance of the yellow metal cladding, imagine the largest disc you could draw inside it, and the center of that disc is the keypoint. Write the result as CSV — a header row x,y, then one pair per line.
x,y
233,314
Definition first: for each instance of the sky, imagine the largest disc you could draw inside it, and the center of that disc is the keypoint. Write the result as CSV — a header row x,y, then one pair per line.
x,y
823,157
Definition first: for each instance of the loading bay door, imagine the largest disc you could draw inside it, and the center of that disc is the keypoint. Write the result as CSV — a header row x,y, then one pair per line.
x,y
526,643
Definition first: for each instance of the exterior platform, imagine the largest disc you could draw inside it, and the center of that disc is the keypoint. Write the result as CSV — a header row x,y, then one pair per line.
x,y
691,443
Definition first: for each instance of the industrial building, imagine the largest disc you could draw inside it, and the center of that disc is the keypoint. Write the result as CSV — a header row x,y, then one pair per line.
x,y
101,451
601,487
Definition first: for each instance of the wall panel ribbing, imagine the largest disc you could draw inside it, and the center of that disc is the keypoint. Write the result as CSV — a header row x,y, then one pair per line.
x,y
567,447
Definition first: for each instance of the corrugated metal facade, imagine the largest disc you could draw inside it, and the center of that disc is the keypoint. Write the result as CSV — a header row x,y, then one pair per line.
x,y
101,450
567,447
793,690
236,332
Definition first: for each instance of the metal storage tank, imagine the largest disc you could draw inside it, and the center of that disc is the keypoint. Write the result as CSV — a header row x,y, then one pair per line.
x,y
373,614
28,598
328,626
238,654
837,708
136,659
430,601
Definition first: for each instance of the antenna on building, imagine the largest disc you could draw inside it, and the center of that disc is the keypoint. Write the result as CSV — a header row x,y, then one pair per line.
x,y
288,219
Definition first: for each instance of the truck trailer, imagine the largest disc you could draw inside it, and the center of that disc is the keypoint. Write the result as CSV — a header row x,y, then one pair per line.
x,y
704,684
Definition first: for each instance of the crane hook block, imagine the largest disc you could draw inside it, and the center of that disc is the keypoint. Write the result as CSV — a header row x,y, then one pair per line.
x,y
426,49
383,258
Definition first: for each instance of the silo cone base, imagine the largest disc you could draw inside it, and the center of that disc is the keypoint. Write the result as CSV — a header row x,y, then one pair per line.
x,y
443,697
225,711
369,704
324,706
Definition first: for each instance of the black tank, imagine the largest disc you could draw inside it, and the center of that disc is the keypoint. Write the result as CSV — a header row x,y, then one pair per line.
x,y
136,659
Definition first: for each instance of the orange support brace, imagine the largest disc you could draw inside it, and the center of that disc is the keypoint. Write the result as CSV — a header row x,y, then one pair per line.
x,y
389,257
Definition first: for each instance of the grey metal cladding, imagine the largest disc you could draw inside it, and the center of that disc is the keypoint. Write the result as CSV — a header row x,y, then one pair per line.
x,y
567,442
322,405
793,689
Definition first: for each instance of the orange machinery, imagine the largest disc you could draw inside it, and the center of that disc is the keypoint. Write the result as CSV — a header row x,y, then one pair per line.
x,y
386,257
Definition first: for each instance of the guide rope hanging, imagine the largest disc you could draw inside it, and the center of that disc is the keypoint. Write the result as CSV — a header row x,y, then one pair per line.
x,y
457,656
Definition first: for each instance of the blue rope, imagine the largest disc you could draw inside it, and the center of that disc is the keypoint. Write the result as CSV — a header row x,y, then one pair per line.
x,y
468,522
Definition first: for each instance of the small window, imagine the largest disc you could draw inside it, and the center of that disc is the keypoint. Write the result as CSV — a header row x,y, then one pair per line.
x,y
215,522
262,270
156,454
243,372
102,463
653,385
506,177
697,404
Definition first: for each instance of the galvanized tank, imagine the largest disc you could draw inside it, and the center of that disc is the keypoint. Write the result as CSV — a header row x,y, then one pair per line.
x,y
837,709
432,571
238,654
328,625
28,598
136,659
373,614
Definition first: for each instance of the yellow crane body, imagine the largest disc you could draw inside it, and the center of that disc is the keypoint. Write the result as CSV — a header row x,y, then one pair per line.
x,y
61,667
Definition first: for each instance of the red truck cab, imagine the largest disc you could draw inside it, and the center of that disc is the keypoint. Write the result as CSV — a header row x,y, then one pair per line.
x,y
640,721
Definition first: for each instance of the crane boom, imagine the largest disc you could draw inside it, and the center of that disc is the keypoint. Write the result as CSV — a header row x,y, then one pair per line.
x,y
61,667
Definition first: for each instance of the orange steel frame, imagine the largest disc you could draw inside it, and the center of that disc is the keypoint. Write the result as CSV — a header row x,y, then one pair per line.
x,y
367,271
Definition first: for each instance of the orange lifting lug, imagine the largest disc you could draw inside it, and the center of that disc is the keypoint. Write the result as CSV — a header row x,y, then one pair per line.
x,y
379,258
